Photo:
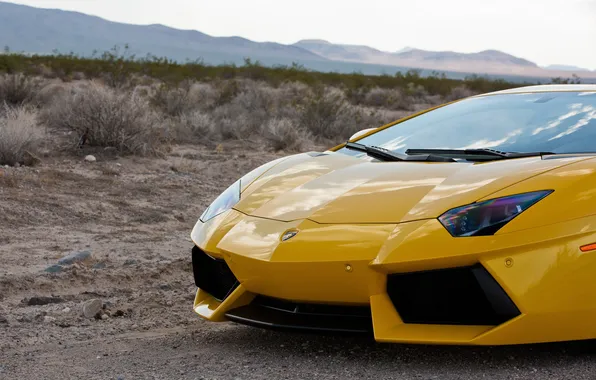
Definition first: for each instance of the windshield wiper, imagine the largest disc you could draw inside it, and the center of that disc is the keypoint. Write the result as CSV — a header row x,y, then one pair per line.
x,y
481,154
387,155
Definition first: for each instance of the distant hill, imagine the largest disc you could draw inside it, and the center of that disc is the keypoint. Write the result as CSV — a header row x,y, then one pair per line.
x,y
41,31
565,68
486,62
485,57
421,58
347,53
35,30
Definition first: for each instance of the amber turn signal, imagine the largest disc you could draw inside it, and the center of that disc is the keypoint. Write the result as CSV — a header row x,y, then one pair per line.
x,y
588,247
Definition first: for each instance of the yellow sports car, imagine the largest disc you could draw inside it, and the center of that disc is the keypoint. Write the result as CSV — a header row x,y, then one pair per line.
x,y
472,223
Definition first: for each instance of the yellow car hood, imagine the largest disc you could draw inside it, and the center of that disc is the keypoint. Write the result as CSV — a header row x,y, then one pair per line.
x,y
336,188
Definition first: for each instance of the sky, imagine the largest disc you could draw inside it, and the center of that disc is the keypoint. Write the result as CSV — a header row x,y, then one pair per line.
x,y
543,31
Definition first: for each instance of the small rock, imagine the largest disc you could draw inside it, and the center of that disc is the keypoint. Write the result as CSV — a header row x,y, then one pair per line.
x,y
119,313
90,158
130,262
25,318
105,316
54,269
3,320
66,310
91,308
118,164
48,319
40,301
165,287
17,165
75,257
100,265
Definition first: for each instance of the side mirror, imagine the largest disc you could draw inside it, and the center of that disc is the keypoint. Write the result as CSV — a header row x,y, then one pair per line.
x,y
360,133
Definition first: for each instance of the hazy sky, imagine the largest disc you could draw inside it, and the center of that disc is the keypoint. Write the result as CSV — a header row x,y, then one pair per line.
x,y
544,31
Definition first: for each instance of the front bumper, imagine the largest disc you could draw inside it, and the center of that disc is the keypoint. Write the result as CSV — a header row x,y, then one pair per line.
x,y
406,283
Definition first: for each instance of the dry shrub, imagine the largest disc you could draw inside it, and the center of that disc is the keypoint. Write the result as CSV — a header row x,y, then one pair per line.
x,y
226,91
101,116
245,114
50,93
392,99
231,127
286,134
187,97
354,119
255,96
293,93
329,117
174,101
196,126
459,92
205,94
389,116
19,136
18,89
322,111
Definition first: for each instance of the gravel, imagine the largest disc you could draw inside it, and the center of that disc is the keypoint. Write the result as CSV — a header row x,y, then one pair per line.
x,y
229,351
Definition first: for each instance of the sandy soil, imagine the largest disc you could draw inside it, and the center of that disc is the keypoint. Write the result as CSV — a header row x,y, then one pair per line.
x,y
134,215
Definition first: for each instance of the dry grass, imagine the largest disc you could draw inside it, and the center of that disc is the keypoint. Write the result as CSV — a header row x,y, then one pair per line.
x,y
20,136
104,117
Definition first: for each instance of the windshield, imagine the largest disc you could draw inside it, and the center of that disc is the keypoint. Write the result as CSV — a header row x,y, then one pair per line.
x,y
558,122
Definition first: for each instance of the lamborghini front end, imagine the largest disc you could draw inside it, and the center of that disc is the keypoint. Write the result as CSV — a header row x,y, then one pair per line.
x,y
481,252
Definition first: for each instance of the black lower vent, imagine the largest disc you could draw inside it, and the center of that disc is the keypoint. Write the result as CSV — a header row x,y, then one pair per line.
x,y
456,296
212,275
280,314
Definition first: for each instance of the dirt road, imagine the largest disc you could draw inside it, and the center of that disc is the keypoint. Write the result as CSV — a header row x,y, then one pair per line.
x,y
134,216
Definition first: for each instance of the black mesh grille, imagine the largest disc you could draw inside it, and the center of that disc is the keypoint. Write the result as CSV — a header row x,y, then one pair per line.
x,y
212,275
456,296
281,314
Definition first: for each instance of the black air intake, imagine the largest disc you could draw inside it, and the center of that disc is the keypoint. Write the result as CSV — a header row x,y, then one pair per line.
x,y
212,275
456,296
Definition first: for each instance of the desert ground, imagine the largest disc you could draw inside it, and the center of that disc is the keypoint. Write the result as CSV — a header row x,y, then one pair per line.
x,y
96,280
134,216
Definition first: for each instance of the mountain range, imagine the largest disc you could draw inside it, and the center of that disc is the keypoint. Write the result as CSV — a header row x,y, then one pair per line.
x,y
42,31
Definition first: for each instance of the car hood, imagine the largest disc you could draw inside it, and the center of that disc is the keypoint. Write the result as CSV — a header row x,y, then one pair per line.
x,y
336,188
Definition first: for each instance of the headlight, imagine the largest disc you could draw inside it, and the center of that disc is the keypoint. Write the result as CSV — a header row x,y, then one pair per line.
x,y
224,202
486,218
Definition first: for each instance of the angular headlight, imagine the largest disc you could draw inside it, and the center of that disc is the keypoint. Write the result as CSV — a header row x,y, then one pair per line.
x,y
224,202
486,218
